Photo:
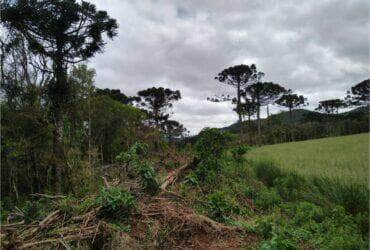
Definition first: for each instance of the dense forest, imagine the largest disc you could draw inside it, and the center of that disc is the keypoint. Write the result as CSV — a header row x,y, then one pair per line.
x,y
89,167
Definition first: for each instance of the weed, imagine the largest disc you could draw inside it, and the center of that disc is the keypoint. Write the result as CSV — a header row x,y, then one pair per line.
x,y
266,171
289,186
211,143
115,203
239,151
267,198
221,206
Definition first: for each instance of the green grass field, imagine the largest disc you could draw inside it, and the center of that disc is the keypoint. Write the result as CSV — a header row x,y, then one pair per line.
x,y
345,157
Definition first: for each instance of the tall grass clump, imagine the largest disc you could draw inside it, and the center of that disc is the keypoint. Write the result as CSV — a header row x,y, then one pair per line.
x,y
267,171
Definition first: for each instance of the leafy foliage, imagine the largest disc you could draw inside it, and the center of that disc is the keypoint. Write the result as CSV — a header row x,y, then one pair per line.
x,y
211,142
267,172
115,203
331,106
360,93
221,206
238,76
239,151
267,198
134,159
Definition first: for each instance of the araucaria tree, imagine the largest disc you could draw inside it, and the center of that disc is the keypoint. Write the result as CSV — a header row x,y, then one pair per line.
x,y
157,100
263,93
360,93
291,101
239,77
331,106
65,32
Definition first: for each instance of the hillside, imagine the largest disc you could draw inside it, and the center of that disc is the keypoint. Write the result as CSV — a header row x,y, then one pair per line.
x,y
345,157
300,116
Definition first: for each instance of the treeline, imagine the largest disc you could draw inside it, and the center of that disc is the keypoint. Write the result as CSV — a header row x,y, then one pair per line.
x,y
252,94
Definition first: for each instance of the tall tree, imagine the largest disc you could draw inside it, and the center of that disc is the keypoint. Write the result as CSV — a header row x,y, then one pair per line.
x,y
360,93
65,32
331,106
239,77
262,93
248,107
173,129
157,100
291,101
117,95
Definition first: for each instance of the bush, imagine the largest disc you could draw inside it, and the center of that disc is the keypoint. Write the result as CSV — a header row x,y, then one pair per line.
x,y
192,179
239,151
278,242
36,210
353,197
148,178
207,170
289,186
264,226
266,171
221,206
305,212
138,166
115,203
267,198
211,142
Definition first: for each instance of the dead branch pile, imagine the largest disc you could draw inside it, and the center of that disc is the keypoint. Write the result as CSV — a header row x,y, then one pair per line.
x,y
173,224
57,229
180,226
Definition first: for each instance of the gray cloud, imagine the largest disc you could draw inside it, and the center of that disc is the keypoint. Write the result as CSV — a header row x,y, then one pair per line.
x,y
317,48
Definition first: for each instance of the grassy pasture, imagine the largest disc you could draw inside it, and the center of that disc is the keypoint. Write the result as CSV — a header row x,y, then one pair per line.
x,y
345,158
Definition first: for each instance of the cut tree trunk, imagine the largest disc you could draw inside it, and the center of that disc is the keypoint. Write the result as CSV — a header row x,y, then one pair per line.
x,y
173,176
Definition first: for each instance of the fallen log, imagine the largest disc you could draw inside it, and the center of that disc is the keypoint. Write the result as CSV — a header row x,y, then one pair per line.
x,y
48,196
173,176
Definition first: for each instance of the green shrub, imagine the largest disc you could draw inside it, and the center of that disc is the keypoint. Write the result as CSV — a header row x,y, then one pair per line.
x,y
239,151
148,178
192,179
3,212
289,186
207,170
278,242
138,166
249,192
36,210
115,203
211,142
352,196
266,171
221,206
267,198
305,212
264,226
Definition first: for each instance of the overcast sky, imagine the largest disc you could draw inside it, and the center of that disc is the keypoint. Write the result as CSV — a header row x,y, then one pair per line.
x,y
316,48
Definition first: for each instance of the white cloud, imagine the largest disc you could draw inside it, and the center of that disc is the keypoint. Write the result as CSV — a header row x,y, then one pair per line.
x,y
316,48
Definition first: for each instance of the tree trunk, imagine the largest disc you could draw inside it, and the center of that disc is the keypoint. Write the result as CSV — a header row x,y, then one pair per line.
x,y
267,110
259,118
238,109
59,94
290,115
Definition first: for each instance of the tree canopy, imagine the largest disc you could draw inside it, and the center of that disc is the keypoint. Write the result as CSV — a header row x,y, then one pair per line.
x,y
262,93
291,101
331,106
239,76
157,100
360,93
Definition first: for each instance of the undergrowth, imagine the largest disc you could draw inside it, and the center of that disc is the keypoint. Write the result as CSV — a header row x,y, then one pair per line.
x,y
287,210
